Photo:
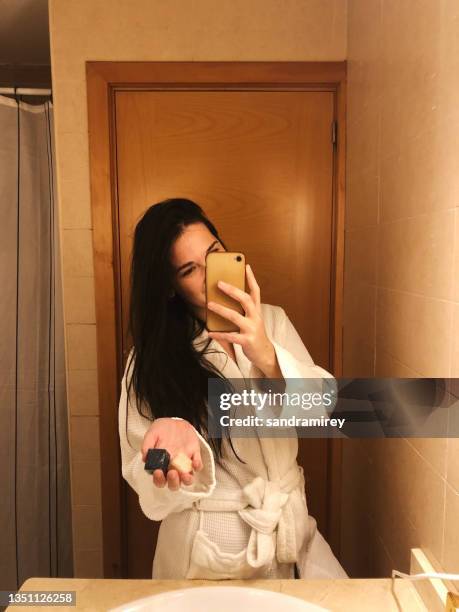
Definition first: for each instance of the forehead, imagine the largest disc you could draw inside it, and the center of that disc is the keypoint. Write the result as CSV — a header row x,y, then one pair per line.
x,y
193,241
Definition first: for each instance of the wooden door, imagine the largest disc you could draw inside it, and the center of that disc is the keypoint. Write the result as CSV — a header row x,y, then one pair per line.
x,y
260,163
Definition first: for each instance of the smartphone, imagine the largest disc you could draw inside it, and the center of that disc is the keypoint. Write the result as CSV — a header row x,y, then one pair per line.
x,y
230,268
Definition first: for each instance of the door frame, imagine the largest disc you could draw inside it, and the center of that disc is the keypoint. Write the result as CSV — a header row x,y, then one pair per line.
x,y
104,79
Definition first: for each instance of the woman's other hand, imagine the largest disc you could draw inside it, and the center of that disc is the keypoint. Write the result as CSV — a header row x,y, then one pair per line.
x,y
175,435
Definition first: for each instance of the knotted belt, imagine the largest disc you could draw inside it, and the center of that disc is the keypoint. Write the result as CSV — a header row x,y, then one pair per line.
x,y
263,505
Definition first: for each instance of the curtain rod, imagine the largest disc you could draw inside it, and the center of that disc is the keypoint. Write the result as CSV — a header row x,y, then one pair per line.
x,y
22,91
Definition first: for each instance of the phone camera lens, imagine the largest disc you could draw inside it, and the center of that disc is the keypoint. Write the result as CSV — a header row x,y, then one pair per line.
x,y
238,258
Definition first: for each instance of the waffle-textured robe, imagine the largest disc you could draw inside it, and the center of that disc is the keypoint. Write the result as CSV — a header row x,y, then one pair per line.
x,y
237,520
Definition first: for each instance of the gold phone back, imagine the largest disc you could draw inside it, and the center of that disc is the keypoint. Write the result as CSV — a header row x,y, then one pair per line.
x,y
223,265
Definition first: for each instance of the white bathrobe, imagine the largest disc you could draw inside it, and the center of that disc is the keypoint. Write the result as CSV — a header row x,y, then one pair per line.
x,y
237,520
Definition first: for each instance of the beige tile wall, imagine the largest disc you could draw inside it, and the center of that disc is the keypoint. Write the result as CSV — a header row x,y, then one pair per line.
x,y
402,270
142,30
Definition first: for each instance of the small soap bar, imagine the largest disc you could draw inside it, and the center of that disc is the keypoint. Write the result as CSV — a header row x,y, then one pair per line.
x,y
157,459
182,463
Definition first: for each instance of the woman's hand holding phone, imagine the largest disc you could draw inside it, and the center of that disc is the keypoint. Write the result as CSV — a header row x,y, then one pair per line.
x,y
176,436
252,337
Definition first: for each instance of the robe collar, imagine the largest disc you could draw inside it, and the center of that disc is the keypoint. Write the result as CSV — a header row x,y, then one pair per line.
x,y
230,369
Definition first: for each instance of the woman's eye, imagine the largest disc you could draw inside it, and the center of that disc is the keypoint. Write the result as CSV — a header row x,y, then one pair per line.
x,y
187,272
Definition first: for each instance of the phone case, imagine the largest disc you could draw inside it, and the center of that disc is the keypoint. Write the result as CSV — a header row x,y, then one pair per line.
x,y
230,268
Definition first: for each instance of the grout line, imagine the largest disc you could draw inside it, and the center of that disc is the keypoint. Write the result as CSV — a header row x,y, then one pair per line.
x,y
386,550
453,275
431,466
443,531
420,214
452,488
403,364
416,294
378,218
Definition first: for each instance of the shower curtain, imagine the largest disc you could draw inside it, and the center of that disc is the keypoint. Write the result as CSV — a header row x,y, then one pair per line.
x,y
35,509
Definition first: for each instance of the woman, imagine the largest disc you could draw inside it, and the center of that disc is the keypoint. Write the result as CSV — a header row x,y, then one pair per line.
x,y
241,512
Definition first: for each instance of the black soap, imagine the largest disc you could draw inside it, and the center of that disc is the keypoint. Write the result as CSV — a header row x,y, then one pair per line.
x,y
157,459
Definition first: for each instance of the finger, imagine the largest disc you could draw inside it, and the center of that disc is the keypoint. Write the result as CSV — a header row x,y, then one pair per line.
x,y
173,480
241,296
186,478
229,336
228,313
253,286
159,478
196,460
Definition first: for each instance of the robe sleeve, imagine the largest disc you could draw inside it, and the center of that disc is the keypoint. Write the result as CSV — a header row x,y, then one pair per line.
x,y
157,502
300,372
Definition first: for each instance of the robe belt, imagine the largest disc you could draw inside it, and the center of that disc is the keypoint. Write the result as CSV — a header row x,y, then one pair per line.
x,y
263,505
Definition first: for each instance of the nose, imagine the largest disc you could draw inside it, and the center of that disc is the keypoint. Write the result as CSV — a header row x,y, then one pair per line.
x,y
202,271
202,264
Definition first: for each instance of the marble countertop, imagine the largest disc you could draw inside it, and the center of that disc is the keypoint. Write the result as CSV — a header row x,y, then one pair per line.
x,y
353,595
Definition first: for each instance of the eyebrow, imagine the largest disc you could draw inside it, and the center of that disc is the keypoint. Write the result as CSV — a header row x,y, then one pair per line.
x,y
191,262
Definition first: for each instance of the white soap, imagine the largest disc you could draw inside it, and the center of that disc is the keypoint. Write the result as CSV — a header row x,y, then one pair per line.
x,y
182,463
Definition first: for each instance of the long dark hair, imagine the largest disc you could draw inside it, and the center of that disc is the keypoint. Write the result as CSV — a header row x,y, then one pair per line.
x,y
170,376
